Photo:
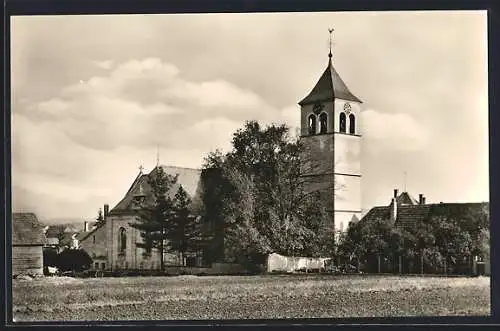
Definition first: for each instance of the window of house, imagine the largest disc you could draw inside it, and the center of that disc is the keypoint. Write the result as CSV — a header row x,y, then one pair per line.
x,y
96,265
352,124
323,123
122,240
342,123
312,124
103,265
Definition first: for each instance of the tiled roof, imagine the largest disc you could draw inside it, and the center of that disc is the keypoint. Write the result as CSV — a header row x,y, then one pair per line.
x,y
26,230
187,177
410,215
54,230
329,87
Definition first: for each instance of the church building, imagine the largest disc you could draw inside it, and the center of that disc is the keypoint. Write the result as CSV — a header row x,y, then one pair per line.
x,y
330,165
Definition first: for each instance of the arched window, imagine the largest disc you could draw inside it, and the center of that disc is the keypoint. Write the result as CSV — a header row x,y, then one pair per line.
x,y
312,124
122,240
352,124
342,123
323,123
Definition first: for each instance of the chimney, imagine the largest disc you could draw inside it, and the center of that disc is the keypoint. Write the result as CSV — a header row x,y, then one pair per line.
x,y
395,193
85,226
421,199
394,210
106,211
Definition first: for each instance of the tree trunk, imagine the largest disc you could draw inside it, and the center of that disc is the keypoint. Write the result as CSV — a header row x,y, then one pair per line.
x,y
400,264
162,263
378,263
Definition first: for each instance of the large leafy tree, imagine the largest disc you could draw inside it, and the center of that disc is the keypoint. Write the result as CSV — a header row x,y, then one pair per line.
x,y
155,212
266,208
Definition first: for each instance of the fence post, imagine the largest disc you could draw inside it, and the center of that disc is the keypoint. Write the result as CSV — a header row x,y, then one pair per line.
x,y
422,262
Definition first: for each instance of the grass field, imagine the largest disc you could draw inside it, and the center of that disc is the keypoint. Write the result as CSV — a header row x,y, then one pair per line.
x,y
243,297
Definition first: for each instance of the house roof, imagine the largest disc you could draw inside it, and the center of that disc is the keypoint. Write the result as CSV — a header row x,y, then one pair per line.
x,y
329,87
406,199
54,230
187,177
407,216
26,230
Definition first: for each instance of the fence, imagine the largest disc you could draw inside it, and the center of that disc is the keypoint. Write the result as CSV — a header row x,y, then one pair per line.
x,y
418,264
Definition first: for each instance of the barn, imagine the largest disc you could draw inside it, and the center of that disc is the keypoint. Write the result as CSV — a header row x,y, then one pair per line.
x,y
27,244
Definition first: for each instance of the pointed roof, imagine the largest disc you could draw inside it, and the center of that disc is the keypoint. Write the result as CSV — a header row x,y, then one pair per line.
x,y
406,199
329,87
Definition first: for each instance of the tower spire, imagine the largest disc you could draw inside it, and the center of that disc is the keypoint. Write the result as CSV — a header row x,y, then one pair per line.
x,y
330,31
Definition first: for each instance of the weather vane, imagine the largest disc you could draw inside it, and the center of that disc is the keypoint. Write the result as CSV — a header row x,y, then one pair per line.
x,y
330,31
141,168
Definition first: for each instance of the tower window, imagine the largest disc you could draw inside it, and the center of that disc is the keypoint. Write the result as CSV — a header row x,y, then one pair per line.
x,y
323,123
342,123
352,124
312,124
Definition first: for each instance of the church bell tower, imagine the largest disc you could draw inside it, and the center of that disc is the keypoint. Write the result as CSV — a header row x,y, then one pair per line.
x,y
330,134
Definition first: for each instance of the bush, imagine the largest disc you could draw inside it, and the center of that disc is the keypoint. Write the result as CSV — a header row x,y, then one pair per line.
x,y
74,259
50,258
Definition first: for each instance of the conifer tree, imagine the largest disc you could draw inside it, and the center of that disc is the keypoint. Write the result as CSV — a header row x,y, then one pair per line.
x,y
155,212
185,233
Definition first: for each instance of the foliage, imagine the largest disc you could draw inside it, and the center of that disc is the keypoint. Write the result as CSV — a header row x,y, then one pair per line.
x,y
155,212
99,218
73,259
50,258
450,237
184,233
265,208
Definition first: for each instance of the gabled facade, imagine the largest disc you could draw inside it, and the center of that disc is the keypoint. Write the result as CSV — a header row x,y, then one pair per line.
x,y
116,244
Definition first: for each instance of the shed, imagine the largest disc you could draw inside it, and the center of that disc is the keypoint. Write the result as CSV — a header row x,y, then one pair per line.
x,y
27,244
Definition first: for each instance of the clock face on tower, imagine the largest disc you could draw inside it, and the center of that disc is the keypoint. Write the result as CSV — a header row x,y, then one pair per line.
x,y
317,108
347,108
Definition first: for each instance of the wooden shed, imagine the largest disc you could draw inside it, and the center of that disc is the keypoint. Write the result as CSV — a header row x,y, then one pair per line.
x,y
27,244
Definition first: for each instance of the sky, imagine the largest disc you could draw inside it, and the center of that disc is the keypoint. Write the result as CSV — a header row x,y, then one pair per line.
x,y
93,97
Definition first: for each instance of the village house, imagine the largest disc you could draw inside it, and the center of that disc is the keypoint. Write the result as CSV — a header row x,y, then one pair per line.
x,y
406,212
27,244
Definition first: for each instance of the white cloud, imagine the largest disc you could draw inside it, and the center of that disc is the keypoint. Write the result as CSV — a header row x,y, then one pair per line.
x,y
107,64
392,132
